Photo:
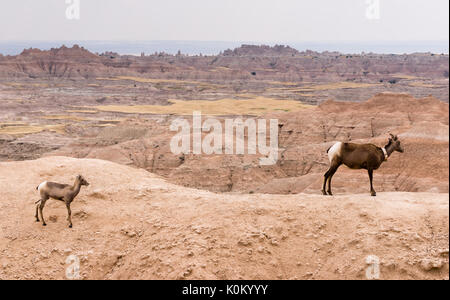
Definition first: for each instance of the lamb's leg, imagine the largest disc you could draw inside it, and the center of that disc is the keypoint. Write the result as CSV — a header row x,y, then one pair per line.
x,y
69,214
372,191
41,207
37,212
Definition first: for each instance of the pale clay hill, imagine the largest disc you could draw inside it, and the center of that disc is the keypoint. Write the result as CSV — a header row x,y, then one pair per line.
x,y
131,224
305,136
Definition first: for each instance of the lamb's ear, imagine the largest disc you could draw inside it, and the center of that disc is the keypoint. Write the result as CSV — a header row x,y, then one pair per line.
x,y
392,136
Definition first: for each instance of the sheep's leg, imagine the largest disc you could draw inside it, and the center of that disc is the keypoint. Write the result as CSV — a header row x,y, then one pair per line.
x,y
69,214
333,170
325,179
41,207
372,191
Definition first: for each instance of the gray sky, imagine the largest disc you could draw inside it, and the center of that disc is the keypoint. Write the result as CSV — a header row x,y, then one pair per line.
x,y
226,20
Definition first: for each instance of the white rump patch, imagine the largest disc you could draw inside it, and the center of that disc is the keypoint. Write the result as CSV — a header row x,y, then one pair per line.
x,y
42,185
335,151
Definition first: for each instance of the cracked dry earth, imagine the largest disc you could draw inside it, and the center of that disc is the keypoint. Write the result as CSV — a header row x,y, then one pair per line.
x,y
131,224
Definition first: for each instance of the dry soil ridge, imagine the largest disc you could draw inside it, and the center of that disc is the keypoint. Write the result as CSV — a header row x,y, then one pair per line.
x,y
131,224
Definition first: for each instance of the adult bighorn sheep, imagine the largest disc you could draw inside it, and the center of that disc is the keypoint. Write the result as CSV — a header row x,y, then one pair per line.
x,y
359,156
61,192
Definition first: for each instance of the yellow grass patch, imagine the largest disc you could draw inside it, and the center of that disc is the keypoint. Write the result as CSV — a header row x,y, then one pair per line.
x,y
285,90
14,84
246,96
335,86
422,84
218,69
322,87
104,125
12,124
164,81
15,100
65,117
24,84
255,106
28,129
84,111
283,83
402,76
40,84
264,70
112,121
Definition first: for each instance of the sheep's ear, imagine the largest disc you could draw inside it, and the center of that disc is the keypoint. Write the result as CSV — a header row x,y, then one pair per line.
x,y
392,136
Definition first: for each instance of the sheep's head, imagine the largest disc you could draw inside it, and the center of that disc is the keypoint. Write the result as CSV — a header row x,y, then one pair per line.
x,y
82,180
395,143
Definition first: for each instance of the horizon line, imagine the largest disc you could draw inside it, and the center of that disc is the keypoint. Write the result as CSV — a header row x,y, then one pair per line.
x,y
225,41
418,46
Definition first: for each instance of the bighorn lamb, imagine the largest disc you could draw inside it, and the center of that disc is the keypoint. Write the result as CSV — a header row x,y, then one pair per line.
x,y
61,192
359,156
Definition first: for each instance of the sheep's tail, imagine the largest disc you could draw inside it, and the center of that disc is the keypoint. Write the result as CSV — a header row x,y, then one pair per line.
x,y
37,188
328,150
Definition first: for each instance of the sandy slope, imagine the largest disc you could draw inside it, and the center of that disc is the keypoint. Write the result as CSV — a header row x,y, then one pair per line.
x,y
132,224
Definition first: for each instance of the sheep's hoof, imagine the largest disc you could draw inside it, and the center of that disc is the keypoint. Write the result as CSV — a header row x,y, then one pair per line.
x,y
330,193
70,226
373,194
37,220
44,224
324,193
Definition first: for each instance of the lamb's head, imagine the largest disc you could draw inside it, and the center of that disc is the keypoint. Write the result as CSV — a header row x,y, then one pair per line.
x,y
395,143
82,180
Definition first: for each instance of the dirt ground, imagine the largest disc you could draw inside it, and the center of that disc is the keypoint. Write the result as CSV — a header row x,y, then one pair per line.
x,y
131,224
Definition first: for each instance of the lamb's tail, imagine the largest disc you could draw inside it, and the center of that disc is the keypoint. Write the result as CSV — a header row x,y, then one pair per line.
x,y
37,189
